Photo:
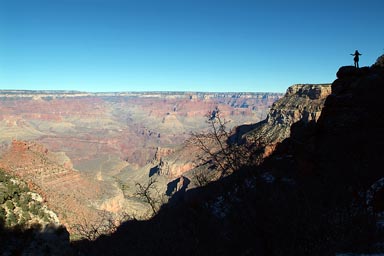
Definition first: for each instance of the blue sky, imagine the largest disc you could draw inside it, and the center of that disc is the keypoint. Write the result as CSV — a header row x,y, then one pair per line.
x,y
183,45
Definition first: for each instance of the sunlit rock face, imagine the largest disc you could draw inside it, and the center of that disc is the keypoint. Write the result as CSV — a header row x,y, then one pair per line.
x,y
301,103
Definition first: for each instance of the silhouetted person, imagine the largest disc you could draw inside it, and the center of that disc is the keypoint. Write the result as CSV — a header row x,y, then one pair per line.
x,y
356,58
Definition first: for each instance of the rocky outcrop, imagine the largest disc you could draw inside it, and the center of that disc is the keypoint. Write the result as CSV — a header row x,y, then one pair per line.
x,y
175,162
177,186
162,152
301,103
348,140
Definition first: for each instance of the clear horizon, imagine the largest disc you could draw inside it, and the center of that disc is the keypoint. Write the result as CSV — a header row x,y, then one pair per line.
x,y
77,91
196,46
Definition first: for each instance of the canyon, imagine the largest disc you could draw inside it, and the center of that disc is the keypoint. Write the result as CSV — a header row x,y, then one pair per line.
x,y
316,191
109,127
85,152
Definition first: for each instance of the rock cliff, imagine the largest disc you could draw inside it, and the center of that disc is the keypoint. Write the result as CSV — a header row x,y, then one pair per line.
x,y
302,102
348,140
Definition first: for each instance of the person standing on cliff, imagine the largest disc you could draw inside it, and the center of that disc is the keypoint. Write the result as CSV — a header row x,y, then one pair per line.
x,y
356,58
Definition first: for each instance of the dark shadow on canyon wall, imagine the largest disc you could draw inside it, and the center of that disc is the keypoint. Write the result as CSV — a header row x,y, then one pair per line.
x,y
153,171
177,187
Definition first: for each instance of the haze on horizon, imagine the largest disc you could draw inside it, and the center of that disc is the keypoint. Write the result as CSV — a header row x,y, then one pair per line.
x,y
116,45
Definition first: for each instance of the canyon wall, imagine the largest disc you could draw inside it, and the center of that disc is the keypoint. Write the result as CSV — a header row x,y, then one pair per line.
x,y
79,149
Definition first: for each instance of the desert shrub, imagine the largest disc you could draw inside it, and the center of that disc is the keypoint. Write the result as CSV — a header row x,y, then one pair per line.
x,y
3,176
13,190
2,213
26,215
23,204
34,209
8,222
24,189
41,213
24,208
46,218
22,222
12,218
3,197
17,202
9,204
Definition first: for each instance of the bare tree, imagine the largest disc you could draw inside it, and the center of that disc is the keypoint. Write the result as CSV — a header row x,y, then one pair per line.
x,y
226,156
150,194
106,223
201,177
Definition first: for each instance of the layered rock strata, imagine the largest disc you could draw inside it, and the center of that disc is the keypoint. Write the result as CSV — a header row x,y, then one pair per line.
x,y
66,191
